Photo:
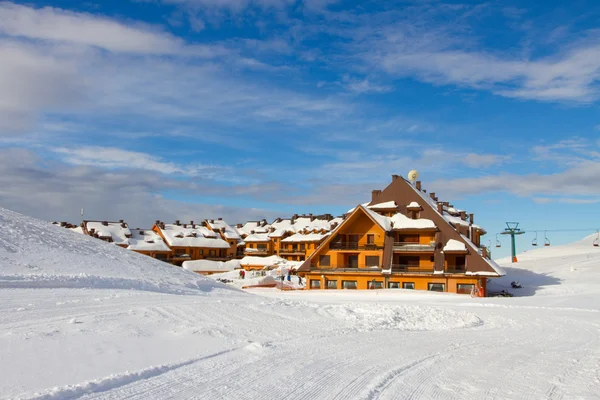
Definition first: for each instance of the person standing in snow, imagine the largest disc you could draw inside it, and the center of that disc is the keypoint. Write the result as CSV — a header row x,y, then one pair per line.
x,y
243,274
299,280
289,275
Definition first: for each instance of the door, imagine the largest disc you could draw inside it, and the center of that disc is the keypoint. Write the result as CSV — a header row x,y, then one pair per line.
x,y
353,261
353,241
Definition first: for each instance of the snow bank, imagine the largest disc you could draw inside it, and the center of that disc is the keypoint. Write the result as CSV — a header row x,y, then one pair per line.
x,y
36,254
369,316
211,266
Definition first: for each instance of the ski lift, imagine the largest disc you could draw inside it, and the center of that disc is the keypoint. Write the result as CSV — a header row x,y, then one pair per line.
x,y
546,240
498,244
597,240
534,241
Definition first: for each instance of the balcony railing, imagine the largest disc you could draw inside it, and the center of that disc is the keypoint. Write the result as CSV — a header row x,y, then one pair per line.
x,y
455,269
412,269
292,251
256,251
407,246
354,246
348,268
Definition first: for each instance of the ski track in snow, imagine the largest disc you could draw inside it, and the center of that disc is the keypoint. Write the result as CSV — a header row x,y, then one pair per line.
x,y
83,319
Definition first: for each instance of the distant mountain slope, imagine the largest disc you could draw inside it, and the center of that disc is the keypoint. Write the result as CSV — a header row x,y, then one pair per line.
x,y
34,253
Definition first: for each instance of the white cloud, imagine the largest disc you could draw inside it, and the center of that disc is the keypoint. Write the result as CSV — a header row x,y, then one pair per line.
x,y
564,200
133,195
54,24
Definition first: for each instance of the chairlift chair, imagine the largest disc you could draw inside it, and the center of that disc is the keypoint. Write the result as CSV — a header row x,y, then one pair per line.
x,y
534,241
546,240
596,242
498,244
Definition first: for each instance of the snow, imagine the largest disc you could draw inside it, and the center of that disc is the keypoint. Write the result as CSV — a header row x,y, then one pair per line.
x,y
255,226
119,233
384,206
455,245
381,220
81,318
197,236
257,237
401,221
218,224
146,240
262,261
211,266
414,204
308,237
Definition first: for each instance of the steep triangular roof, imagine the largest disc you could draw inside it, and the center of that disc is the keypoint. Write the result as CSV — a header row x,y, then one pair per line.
x,y
379,220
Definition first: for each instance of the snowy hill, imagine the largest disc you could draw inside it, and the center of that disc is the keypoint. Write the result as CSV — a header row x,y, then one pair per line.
x,y
554,270
36,254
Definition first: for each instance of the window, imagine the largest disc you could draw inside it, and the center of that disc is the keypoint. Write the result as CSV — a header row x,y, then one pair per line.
x,y
375,284
261,246
349,285
464,288
201,251
315,284
408,238
251,245
212,253
436,287
331,284
411,261
302,247
372,261
324,261
370,239
409,285
394,285
432,259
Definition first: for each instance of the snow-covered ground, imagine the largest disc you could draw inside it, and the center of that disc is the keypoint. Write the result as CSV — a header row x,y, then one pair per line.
x,y
80,318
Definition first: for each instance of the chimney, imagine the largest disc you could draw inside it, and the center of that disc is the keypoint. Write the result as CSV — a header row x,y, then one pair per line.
x,y
192,223
239,226
374,194
123,225
220,219
185,225
223,229
418,185
394,177
278,220
463,215
471,218
212,221
295,216
311,217
424,191
334,225
121,221
105,223
203,223
263,222
432,195
157,222
92,231
177,222
63,224
252,232
440,208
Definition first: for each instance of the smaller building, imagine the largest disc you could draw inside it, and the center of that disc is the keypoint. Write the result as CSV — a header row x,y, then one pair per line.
x,y
111,232
148,242
228,234
192,242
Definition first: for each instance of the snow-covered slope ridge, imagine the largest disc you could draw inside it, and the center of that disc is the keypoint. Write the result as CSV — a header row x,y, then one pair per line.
x,y
34,253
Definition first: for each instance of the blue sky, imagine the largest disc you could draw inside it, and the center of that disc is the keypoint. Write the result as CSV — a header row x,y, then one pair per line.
x,y
191,109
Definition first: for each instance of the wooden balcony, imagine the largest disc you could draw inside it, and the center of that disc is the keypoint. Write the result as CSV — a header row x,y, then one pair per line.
x,y
414,247
411,269
354,246
455,269
292,252
256,252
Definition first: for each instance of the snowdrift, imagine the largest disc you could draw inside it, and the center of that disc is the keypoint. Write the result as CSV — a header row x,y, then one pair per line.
x,y
36,254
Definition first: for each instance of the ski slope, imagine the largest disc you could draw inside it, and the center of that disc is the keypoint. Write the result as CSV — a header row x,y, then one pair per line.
x,y
83,319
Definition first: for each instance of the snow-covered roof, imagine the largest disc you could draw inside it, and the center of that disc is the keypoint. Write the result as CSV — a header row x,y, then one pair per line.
x,y
77,229
117,231
401,221
255,226
384,206
354,208
383,221
414,204
218,224
146,240
211,266
257,237
192,236
309,237
264,261
455,245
